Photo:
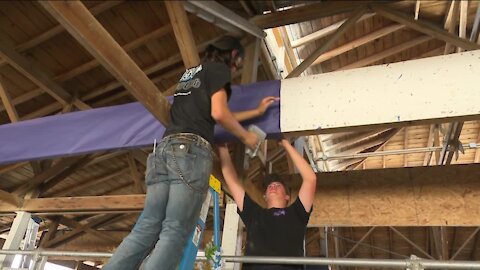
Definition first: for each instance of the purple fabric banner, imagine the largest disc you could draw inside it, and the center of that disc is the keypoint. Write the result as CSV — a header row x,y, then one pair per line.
x,y
117,127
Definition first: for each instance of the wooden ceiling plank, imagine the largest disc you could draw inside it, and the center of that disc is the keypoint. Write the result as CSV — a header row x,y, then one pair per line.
x,y
75,224
46,110
408,197
82,162
45,175
327,44
183,33
81,24
354,139
24,97
357,43
88,183
155,34
386,53
7,102
104,6
92,64
388,137
7,168
172,60
77,231
168,92
305,13
424,27
324,32
37,76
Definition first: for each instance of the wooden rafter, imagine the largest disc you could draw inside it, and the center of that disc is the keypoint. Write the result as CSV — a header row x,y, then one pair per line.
x,y
77,231
324,32
388,197
7,168
292,59
183,33
305,13
7,102
37,76
358,42
81,24
52,230
96,10
424,27
47,185
77,187
51,172
329,42
157,33
172,60
386,53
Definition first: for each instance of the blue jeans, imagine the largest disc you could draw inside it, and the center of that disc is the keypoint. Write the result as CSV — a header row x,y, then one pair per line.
x,y
177,179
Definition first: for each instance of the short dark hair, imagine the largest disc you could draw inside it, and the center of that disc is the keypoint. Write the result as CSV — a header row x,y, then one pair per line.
x,y
273,177
221,50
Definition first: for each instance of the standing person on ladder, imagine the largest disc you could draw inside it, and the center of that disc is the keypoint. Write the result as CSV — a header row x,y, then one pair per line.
x,y
177,175
278,230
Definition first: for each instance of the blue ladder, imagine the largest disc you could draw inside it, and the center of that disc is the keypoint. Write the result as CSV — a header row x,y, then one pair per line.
x,y
190,252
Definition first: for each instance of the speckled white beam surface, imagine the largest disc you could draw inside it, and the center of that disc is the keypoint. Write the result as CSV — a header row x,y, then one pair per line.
x,y
436,89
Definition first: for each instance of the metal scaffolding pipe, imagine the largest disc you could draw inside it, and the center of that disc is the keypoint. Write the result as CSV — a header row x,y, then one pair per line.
x,y
392,152
412,263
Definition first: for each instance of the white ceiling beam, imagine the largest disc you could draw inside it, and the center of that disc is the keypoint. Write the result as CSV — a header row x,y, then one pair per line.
x,y
412,92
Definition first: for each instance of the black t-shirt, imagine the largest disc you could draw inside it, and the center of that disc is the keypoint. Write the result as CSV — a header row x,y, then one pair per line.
x,y
191,108
274,232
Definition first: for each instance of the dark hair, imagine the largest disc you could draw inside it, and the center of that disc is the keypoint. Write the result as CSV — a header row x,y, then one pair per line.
x,y
273,177
221,50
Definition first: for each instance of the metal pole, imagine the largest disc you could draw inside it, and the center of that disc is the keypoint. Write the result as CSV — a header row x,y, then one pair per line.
x,y
402,264
393,152
216,222
229,16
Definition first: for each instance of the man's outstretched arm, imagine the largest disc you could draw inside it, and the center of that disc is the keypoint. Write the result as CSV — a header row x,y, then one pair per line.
x,y
309,178
231,177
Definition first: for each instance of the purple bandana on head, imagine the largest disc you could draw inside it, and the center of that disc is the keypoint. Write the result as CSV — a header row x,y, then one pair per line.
x,y
279,212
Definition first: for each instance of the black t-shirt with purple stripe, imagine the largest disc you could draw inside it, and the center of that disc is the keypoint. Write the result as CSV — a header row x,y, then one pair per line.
x,y
191,108
274,232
